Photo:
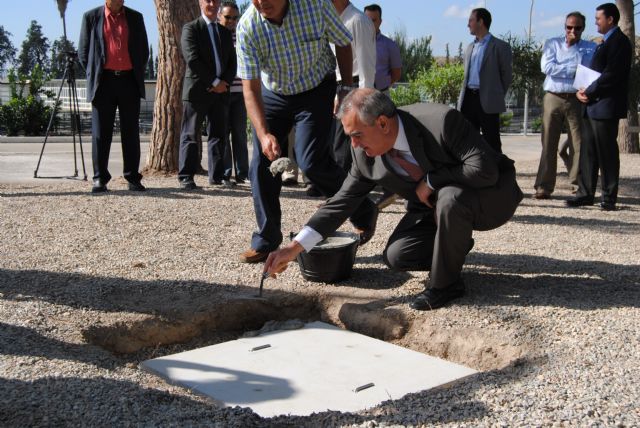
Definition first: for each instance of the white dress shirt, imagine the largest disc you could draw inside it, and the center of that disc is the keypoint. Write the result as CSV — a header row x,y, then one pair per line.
x,y
363,46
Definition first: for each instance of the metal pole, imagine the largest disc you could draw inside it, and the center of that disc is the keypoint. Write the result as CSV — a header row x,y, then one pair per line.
x,y
525,123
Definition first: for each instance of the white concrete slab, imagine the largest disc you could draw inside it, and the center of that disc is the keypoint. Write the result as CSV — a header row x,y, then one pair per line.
x,y
313,369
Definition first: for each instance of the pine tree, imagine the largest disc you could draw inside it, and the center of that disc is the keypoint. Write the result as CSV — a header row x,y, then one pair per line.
x,y
447,55
35,48
150,65
59,57
7,51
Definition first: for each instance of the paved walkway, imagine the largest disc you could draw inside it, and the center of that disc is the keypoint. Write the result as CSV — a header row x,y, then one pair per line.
x,y
19,156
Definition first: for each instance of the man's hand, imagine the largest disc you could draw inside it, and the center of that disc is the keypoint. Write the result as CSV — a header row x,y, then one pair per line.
x,y
278,260
423,191
270,147
220,88
581,96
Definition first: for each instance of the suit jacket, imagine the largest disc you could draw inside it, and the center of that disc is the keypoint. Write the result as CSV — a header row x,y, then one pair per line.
x,y
608,95
449,150
496,74
91,50
197,50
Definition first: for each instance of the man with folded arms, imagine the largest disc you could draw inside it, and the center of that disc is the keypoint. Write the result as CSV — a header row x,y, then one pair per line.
x,y
434,158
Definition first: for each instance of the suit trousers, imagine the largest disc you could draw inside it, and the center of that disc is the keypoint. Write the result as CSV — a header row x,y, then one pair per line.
x,y
193,115
236,153
487,123
310,113
555,110
599,151
121,93
341,145
438,240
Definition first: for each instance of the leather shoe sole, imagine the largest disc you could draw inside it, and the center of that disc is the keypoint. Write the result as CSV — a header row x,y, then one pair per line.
x,y
434,298
253,256
579,202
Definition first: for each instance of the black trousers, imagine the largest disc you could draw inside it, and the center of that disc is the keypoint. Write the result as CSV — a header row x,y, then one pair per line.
x,y
192,117
487,123
599,152
121,93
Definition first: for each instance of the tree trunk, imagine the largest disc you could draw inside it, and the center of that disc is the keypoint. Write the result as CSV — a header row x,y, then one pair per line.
x,y
627,141
167,110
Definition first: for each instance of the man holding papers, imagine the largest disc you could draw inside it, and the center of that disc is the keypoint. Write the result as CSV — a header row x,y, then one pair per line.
x,y
561,56
606,102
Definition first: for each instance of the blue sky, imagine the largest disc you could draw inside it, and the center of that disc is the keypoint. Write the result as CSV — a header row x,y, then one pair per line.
x,y
445,21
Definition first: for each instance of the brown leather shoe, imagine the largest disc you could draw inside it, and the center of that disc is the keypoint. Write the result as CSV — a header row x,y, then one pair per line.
x,y
541,194
253,256
367,232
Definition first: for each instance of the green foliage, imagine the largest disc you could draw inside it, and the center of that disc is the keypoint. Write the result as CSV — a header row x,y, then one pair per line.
x,y
505,119
441,83
405,94
150,73
526,65
536,124
7,50
416,55
59,57
34,50
26,112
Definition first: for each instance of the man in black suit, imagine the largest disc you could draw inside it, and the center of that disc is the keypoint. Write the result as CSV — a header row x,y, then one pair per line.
x,y
606,103
208,51
433,157
113,49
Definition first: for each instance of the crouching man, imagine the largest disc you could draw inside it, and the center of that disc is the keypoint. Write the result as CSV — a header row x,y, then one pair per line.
x,y
430,155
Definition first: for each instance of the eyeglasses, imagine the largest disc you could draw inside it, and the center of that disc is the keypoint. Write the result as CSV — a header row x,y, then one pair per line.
x,y
231,17
571,27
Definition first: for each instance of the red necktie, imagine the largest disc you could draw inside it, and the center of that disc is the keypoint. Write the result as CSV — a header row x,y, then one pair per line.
x,y
415,172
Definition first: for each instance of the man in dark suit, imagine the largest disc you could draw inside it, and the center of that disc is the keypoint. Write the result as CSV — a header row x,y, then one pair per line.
x,y
433,157
606,102
113,49
487,76
208,51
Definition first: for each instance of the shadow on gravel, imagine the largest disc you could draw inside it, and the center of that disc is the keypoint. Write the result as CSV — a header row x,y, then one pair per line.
x,y
543,281
603,225
160,192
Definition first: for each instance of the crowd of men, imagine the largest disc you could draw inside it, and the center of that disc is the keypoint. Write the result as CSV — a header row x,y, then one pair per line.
x,y
323,69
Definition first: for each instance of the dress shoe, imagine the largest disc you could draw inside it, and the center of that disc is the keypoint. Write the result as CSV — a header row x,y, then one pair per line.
x,y
99,186
541,194
367,232
607,206
228,183
137,187
434,298
188,184
215,182
253,256
313,191
579,201
386,199
240,180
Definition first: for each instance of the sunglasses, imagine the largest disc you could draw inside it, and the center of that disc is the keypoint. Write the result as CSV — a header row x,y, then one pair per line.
x,y
231,17
571,27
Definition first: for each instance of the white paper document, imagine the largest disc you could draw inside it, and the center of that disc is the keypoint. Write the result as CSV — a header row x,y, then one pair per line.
x,y
584,77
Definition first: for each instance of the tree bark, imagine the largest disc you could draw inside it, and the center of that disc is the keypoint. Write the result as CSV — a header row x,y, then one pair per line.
x,y
628,141
167,110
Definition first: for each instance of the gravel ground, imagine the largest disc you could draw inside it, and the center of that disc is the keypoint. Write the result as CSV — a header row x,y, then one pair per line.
x,y
550,317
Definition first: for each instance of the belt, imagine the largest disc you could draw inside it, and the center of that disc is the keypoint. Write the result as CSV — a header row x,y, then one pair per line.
x,y
117,73
472,91
356,80
564,95
385,89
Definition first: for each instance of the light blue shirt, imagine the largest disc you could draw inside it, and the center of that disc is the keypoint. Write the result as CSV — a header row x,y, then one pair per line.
x,y
559,63
608,33
216,55
476,61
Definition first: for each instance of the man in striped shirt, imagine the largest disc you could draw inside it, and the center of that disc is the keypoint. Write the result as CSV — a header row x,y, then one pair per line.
x,y
235,152
288,78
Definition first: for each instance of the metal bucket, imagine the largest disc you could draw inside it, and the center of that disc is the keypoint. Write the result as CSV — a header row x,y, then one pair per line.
x,y
331,260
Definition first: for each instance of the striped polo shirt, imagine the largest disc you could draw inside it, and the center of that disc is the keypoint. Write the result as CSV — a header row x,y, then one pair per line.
x,y
294,57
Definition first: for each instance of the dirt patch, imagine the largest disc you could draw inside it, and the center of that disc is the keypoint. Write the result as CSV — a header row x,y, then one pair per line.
x,y
479,349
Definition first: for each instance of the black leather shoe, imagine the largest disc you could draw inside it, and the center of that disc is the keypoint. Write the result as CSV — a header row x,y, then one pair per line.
x,y
188,184
434,298
137,187
579,201
607,206
99,186
313,191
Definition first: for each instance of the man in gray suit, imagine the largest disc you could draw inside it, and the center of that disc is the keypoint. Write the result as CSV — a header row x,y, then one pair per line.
x,y
430,155
487,76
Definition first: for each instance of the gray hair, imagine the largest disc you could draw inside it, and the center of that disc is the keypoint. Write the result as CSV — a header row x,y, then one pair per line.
x,y
578,15
369,104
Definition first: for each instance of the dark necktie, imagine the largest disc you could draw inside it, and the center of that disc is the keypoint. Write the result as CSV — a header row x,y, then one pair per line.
x,y
216,48
415,172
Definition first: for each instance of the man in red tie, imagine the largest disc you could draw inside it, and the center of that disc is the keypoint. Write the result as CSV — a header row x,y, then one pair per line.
x,y
433,157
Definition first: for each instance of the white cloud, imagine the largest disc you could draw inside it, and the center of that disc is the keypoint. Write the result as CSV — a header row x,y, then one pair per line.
x,y
556,21
455,11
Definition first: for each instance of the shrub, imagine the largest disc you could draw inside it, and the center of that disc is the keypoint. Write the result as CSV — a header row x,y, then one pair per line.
x,y
405,94
505,119
441,83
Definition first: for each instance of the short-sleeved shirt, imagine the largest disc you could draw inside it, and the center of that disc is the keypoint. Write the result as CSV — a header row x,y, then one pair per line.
x,y
295,56
388,57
